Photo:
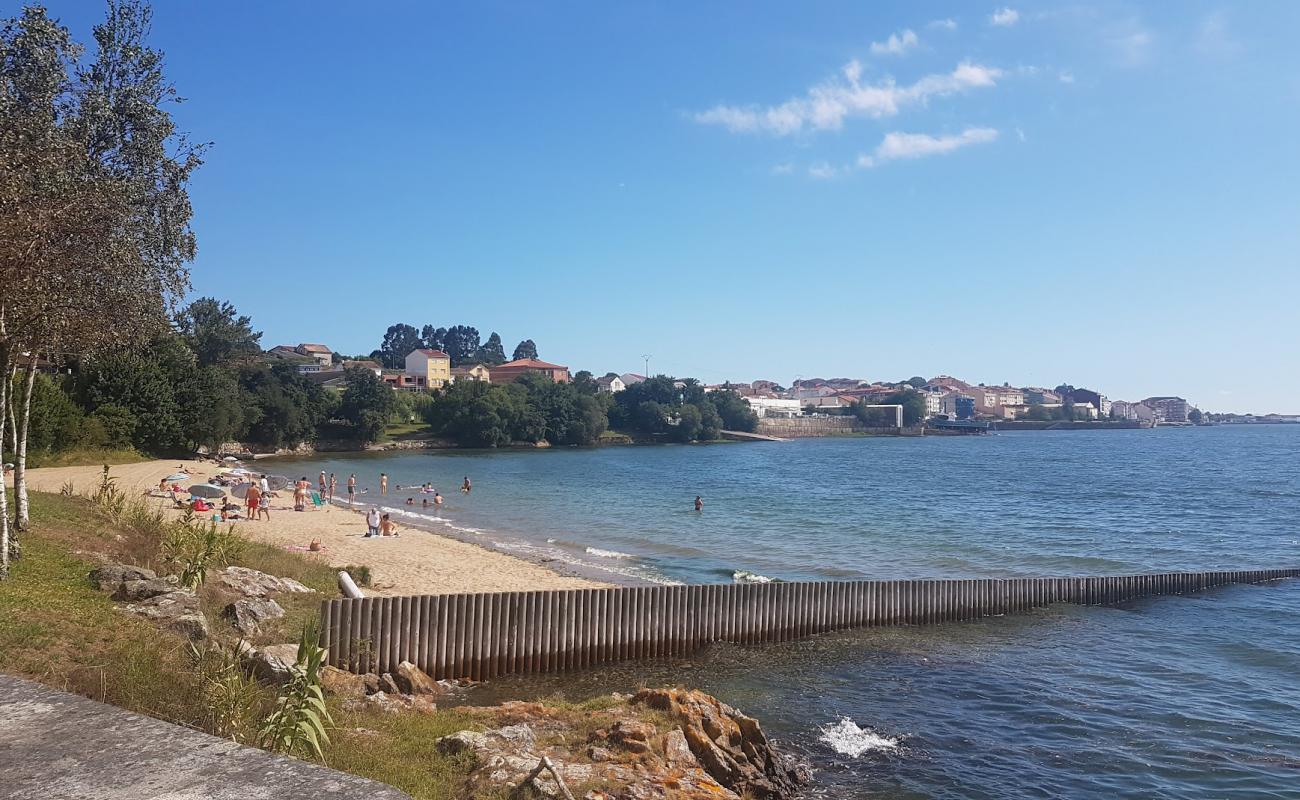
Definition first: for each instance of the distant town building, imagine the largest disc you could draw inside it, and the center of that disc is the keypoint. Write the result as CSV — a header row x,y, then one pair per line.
x,y
610,384
512,371
1088,397
933,400
1135,411
764,387
1167,409
322,354
990,399
947,382
1036,395
373,366
431,369
302,362
775,406
401,382
476,372
631,378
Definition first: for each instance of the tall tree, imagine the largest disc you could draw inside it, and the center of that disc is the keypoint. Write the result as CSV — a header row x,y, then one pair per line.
x,y
525,349
367,403
492,352
461,343
94,183
400,340
434,338
216,332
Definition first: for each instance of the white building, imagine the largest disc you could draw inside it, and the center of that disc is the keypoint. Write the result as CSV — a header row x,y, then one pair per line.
x,y
775,406
933,401
611,384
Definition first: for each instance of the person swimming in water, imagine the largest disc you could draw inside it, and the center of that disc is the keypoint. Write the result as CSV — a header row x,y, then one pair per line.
x,y
699,503
410,501
466,487
437,499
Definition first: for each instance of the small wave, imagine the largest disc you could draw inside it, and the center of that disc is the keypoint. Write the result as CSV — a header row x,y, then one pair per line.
x,y
847,738
741,576
596,551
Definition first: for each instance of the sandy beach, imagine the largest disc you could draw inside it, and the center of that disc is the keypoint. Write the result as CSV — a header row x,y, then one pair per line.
x,y
416,562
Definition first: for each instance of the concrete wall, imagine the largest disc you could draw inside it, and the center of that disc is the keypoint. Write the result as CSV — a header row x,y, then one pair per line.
x,y
804,427
480,636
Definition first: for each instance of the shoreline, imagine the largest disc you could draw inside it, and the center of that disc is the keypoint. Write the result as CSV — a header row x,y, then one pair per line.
x,y
418,561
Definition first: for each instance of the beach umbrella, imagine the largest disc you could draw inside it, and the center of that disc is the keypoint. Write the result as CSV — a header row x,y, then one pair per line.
x,y
207,490
229,458
180,476
277,482
239,471
241,490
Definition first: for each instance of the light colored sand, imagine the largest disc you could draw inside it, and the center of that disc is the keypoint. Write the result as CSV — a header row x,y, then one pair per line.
x,y
416,562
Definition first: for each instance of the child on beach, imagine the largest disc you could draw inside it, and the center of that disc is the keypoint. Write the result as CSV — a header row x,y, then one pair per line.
x,y
264,507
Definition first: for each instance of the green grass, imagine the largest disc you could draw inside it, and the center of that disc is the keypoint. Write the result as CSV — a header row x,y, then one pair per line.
x,y
84,457
406,430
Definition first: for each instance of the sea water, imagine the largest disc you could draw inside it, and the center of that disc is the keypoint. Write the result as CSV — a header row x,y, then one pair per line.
x,y
1186,697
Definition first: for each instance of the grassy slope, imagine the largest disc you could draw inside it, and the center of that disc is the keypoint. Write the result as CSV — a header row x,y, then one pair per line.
x,y
55,627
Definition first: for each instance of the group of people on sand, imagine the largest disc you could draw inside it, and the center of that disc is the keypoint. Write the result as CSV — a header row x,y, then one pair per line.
x,y
379,525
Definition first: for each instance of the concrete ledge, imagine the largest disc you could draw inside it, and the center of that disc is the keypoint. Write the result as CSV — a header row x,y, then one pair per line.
x,y
59,745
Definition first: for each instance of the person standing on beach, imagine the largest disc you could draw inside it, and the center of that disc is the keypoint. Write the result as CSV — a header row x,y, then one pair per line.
x,y
322,484
465,487
264,486
253,499
383,484
334,484
372,522
699,503
352,487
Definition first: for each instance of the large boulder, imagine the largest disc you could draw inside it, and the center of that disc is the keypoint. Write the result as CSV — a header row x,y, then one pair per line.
x,y
730,746
110,577
249,613
387,703
177,610
410,679
252,583
145,588
342,684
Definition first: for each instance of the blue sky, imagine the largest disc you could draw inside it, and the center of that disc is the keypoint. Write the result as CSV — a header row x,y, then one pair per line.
x,y
1102,193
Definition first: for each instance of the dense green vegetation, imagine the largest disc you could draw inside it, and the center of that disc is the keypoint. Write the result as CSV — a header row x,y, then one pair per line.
x,y
912,401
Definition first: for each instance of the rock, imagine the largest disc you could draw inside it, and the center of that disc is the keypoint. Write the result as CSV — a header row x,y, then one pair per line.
x,y
252,583
249,613
633,735
598,754
111,576
371,682
192,626
410,679
269,664
387,684
676,751
391,703
166,607
145,588
728,744
342,683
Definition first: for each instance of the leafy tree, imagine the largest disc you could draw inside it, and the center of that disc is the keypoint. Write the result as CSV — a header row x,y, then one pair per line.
x,y
400,340
525,349
491,353
1194,416
110,426
710,423
282,408
584,383
56,421
144,388
434,338
461,343
476,414
209,407
735,413
649,417
216,333
916,381
689,423
367,402
1038,413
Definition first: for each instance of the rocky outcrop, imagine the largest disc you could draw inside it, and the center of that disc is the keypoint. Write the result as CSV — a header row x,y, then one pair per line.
x,y
342,684
110,577
412,680
176,610
252,583
248,614
665,744
271,663
728,744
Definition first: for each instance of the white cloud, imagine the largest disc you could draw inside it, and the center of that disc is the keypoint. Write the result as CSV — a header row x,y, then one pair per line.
x,y
901,146
1132,48
826,105
1004,17
783,169
1020,134
822,171
896,45
948,24
1066,77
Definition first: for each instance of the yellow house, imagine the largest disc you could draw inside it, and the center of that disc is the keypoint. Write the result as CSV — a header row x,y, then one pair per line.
x,y
431,369
477,372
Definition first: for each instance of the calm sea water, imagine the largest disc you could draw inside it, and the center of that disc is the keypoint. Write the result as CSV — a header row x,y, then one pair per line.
x,y
1186,697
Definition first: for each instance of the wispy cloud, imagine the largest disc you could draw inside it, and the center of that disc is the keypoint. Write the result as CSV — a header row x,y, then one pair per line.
x,y
1065,77
823,171
902,146
897,44
1214,39
783,169
948,24
1004,17
826,105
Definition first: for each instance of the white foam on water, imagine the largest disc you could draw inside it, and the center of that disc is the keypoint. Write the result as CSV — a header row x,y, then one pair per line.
x,y
741,576
596,551
846,738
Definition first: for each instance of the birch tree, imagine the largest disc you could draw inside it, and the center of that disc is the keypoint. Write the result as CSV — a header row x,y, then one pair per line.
x,y
95,213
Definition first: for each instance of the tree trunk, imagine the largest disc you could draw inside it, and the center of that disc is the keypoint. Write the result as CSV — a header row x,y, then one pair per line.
x,y
13,428
23,404
4,424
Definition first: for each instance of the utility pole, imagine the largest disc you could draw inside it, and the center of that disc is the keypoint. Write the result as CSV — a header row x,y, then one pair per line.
x,y
647,365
